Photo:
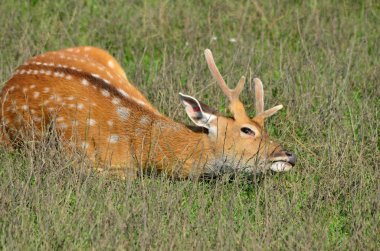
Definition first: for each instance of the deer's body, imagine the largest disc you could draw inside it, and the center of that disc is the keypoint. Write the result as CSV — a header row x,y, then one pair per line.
x,y
87,95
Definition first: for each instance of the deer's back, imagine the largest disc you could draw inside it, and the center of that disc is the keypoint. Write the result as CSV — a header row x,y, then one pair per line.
x,y
85,94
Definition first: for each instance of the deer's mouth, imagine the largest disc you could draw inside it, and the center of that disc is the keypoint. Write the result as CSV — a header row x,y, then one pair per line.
x,y
282,161
280,166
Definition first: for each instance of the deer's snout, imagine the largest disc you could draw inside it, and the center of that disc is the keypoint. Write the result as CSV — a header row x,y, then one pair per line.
x,y
292,158
285,156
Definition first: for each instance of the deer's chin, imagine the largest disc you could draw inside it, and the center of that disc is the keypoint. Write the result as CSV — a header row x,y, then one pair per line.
x,y
280,166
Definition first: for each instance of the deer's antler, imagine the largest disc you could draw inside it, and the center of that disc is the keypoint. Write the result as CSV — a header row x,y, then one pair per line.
x,y
259,101
259,96
236,107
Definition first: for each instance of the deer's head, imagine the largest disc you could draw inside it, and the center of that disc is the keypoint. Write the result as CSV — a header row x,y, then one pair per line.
x,y
240,141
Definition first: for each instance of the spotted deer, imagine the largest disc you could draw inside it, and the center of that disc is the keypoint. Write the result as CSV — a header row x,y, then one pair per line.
x,y
86,94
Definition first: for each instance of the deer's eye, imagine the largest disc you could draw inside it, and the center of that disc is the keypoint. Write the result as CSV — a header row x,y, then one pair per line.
x,y
247,131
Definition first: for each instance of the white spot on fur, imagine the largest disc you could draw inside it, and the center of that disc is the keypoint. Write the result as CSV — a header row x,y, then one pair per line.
x,y
95,75
123,113
60,119
123,92
115,101
85,82
80,106
105,93
32,86
69,77
46,90
25,107
91,122
144,120
110,64
114,138
139,101
36,94
70,98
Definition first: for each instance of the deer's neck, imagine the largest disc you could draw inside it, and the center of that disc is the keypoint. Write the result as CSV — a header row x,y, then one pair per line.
x,y
178,149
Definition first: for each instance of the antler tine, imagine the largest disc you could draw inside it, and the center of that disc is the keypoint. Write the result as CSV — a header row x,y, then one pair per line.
x,y
215,72
232,95
271,111
239,87
259,96
265,114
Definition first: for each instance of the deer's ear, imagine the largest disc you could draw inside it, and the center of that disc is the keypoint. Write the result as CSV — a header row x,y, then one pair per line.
x,y
196,113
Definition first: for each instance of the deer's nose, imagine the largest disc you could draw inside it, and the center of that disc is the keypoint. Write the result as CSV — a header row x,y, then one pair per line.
x,y
292,158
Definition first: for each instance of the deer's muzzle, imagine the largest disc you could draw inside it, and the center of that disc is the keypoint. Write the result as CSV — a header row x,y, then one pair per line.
x,y
282,161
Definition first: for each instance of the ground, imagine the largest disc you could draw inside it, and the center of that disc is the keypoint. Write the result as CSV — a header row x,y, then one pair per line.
x,y
320,59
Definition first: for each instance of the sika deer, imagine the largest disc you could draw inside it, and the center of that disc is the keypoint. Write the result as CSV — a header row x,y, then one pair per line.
x,y
85,92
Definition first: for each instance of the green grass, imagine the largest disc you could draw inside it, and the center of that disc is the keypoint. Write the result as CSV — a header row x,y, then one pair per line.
x,y
320,59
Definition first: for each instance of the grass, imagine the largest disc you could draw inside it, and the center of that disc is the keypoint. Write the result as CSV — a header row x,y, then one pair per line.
x,y
320,59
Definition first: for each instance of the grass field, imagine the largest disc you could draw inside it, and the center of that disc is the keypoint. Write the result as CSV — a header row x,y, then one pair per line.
x,y
320,59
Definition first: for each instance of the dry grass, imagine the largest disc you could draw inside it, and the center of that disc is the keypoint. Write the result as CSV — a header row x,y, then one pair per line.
x,y
318,58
